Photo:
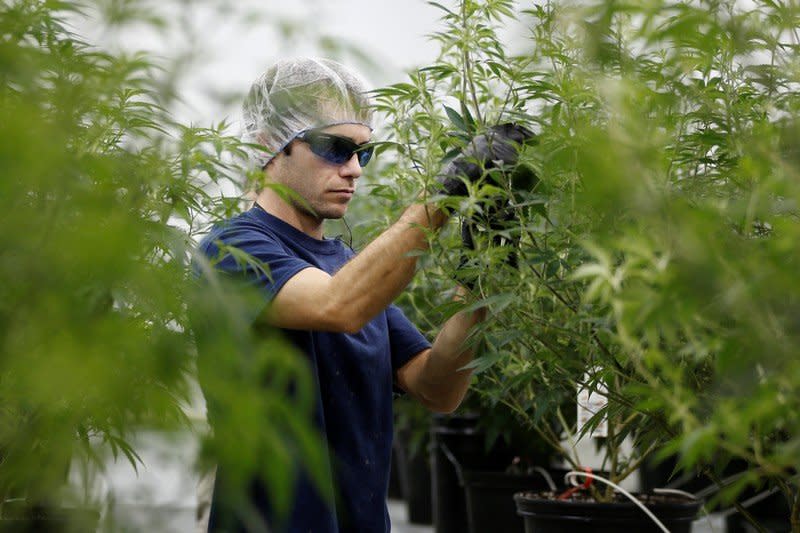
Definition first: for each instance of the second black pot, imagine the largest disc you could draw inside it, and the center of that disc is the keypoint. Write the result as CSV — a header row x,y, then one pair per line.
x,y
457,442
554,516
490,498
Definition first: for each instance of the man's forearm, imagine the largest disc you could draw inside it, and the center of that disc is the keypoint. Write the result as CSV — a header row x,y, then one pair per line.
x,y
371,281
437,377
445,378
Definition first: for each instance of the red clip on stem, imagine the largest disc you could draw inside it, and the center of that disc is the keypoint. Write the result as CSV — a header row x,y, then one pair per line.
x,y
587,482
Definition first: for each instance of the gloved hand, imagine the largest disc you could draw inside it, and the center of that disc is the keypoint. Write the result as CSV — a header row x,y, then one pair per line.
x,y
501,143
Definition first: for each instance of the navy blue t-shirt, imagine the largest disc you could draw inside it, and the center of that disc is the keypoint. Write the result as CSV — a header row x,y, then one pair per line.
x,y
354,375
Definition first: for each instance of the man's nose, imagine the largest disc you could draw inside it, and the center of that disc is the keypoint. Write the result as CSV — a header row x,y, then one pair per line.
x,y
351,169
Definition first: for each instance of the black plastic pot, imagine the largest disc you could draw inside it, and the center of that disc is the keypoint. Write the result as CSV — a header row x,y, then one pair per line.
x,y
490,498
457,441
554,516
772,513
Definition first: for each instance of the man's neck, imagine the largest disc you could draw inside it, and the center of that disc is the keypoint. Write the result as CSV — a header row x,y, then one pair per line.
x,y
275,205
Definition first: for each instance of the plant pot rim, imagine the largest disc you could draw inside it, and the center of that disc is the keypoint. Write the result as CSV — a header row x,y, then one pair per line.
x,y
540,503
665,499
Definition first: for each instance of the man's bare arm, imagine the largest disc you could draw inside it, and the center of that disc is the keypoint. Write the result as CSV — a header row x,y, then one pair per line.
x,y
436,377
313,300
366,285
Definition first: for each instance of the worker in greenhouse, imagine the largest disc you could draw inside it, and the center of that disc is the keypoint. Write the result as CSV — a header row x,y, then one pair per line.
x,y
314,120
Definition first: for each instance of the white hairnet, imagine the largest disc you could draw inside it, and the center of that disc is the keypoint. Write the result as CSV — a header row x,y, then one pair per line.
x,y
298,94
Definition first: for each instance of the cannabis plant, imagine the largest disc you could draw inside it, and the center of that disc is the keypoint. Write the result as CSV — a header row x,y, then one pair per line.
x,y
102,192
646,251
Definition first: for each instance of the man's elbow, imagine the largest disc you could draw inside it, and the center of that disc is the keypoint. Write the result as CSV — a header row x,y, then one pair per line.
x,y
340,325
443,409
341,319
444,405
351,328
349,323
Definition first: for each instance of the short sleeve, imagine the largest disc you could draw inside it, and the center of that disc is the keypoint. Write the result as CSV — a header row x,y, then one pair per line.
x,y
405,340
274,264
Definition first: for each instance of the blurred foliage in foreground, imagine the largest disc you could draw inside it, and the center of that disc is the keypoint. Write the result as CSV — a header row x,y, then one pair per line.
x,y
100,196
658,248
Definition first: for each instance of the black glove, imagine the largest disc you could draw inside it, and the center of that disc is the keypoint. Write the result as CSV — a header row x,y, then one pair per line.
x,y
501,143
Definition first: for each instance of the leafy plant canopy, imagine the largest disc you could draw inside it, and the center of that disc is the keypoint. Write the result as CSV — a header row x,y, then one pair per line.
x,y
101,196
655,220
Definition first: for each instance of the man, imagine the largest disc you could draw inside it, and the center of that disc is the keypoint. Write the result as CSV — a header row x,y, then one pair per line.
x,y
335,306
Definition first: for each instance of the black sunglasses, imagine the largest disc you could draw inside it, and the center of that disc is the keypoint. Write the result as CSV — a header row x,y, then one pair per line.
x,y
335,149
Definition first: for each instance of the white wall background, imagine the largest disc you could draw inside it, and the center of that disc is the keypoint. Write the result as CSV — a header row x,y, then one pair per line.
x,y
224,45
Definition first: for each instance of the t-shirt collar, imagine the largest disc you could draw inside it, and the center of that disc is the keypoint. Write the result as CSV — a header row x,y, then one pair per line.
x,y
323,246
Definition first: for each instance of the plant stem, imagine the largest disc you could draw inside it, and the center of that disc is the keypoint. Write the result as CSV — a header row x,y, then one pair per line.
x,y
467,75
634,465
546,432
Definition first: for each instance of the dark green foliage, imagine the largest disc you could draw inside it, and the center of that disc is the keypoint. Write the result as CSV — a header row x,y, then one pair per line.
x,y
101,195
658,242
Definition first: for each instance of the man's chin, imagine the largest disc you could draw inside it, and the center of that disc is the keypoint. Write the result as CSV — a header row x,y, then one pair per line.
x,y
333,214
329,213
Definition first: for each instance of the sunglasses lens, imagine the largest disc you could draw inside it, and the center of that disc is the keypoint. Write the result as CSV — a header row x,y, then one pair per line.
x,y
335,149
330,149
364,156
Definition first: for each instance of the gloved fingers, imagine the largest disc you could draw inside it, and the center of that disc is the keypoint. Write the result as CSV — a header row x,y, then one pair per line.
x,y
513,132
496,213
504,142
451,181
499,144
